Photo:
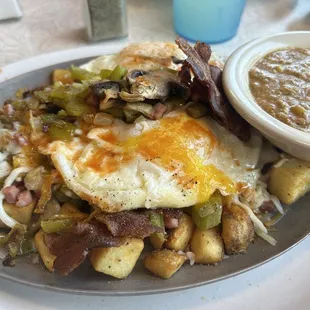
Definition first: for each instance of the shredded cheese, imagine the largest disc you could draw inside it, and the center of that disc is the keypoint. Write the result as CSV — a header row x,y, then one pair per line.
x,y
280,162
265,236
277,203
256,221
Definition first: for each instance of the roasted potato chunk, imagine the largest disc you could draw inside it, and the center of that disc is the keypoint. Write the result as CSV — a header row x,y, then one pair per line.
x,y
290,181
179,237
63,76
157,240
237,229
117,262
20,214
164,263
207,245
47,258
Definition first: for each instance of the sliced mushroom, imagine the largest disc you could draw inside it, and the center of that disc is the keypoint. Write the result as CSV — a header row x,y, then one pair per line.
x,y
141,107
128,97
132,75
111,103
158,85
105,90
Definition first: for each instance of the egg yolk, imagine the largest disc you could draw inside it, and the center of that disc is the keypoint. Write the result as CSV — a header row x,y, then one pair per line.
x,y
180,145
181,142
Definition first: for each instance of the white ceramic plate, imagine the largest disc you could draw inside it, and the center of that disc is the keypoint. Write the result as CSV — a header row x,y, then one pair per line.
x,y
85,280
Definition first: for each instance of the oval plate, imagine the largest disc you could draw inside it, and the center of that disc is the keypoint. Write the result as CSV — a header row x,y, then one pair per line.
x,y
84,280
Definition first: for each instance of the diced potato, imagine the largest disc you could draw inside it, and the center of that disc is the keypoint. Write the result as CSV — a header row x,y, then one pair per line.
x,y
207,245
47,258
70,210
157,240
237,229
20,214
164,263
63,76
290,181
179,237
117,262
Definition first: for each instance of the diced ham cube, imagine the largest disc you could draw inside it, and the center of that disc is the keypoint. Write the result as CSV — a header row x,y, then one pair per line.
x,y
10,193
24,198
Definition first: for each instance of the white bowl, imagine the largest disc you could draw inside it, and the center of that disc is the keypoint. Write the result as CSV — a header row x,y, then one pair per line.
x,y
236,85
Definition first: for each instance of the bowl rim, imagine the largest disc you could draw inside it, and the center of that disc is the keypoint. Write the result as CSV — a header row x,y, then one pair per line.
x,y
241,97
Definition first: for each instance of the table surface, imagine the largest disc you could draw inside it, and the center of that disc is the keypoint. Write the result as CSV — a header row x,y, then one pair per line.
x,y
280,284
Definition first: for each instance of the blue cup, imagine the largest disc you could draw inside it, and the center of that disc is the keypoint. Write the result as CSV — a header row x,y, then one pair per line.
x,y
210,21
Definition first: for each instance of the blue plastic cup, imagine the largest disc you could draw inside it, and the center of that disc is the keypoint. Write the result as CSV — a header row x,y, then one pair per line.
x,y
210,21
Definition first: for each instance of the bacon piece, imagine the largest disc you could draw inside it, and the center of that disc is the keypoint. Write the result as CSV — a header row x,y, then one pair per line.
x,y
24,198
71,247
21,140
171,223
171,213
171,217
159,110
92,100
267,207
8,110
129,223
10,193
206,90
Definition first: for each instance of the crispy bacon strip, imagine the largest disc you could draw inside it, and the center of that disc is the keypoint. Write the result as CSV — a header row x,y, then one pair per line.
x,y
71,247
129,223
206,87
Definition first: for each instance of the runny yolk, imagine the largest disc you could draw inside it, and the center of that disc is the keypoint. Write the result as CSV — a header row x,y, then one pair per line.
x,y
180,140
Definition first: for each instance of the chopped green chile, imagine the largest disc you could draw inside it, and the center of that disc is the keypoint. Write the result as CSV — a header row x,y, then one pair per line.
x,y
26,245
59,94
64,132
207,215
117,112
34,179
57,225
12,248
157,219
46,193
141,107
18,242
78,108
20,92
62,113
131,116
42,95
118,73
3,238
49,118
78,74
105,74
19,105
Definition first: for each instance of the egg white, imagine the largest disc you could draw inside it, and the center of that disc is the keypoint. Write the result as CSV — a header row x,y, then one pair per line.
x,y
143,183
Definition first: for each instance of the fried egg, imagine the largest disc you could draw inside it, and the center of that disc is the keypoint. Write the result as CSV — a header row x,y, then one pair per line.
x,y
140,56
144,56
174,162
